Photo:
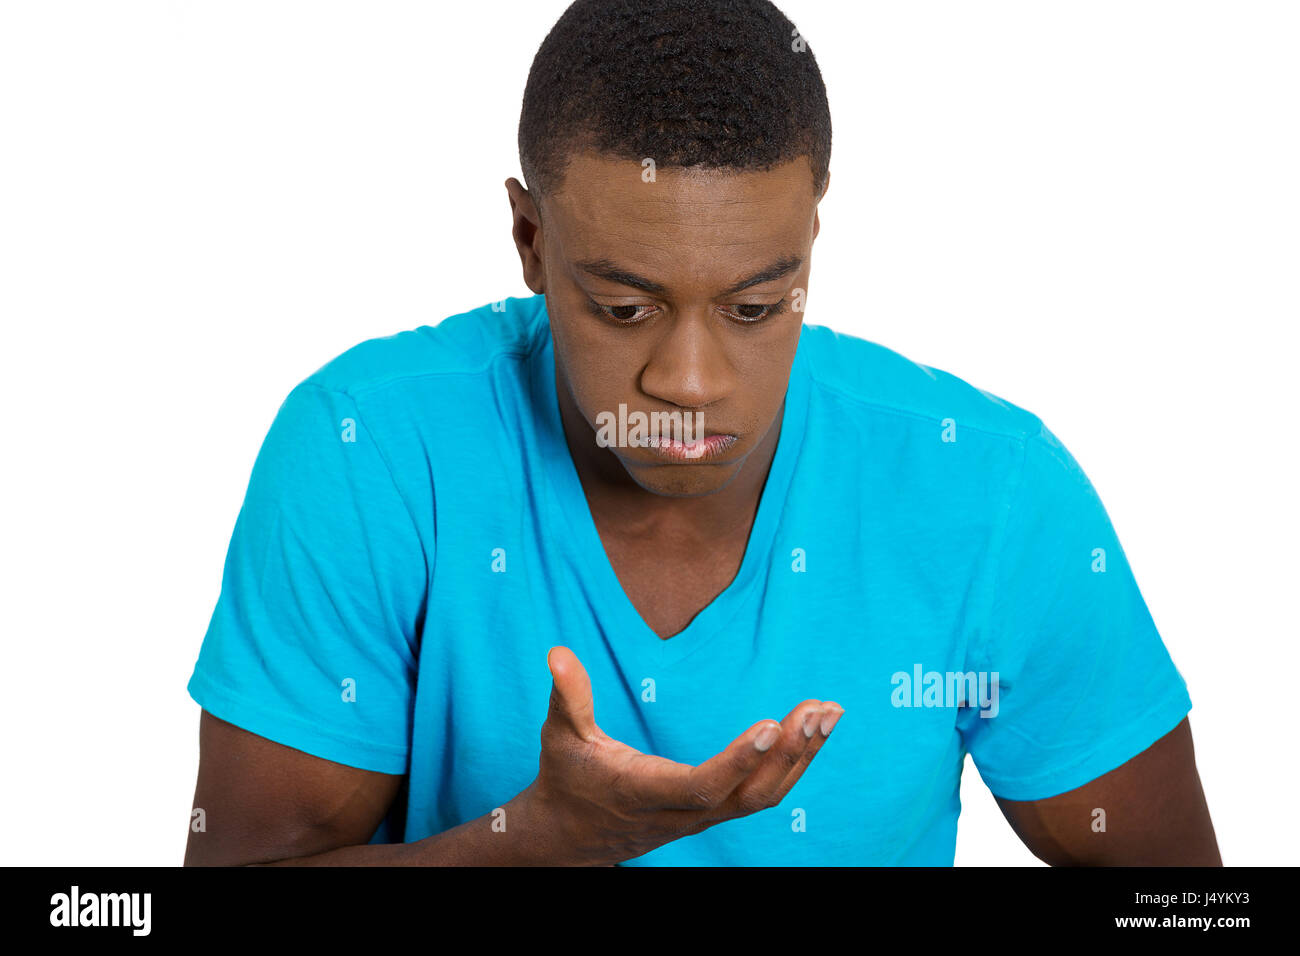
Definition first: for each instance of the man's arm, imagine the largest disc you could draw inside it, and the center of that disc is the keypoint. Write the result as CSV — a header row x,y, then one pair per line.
x,y
1154,814
265,803
595,801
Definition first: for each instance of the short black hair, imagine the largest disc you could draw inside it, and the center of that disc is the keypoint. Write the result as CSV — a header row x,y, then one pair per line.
x,y
719,84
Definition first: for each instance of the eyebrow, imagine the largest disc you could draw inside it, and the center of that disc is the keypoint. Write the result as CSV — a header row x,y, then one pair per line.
x,y
612,272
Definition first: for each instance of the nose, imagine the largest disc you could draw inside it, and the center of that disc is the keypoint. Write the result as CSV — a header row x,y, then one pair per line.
x,y
689,366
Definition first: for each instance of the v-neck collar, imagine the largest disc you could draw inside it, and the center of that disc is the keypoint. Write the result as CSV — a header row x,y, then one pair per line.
x,y
578,536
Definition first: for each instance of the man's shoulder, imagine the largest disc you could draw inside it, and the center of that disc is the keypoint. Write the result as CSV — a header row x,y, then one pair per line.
x,y
878,380
461,345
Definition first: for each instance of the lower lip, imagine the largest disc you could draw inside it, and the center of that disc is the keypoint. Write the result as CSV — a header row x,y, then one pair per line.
x,y
708,447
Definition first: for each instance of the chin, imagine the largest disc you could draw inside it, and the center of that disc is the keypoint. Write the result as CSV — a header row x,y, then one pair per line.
x,y
683,481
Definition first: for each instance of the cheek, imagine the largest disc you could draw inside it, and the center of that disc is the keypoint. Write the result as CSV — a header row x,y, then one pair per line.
x,y
597,385
769,373
772,355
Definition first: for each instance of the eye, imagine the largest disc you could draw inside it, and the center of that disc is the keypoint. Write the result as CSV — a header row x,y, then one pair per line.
x,y
764,312
622,314
628,314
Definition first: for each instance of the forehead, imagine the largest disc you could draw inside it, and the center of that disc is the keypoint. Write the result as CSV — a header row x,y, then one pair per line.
x,y
684,222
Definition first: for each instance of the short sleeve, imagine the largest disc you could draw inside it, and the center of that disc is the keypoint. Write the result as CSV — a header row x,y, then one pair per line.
x,y
1084,681
313,642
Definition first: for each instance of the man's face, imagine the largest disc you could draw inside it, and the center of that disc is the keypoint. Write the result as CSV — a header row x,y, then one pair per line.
x,y
680,295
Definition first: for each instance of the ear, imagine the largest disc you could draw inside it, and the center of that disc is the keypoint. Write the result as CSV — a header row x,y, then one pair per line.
x,y
526,230
817,224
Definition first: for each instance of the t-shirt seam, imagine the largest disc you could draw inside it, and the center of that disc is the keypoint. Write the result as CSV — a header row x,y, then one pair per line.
x,y
518,350
997,549
223,690
388,470
1176,696
906,413
355,391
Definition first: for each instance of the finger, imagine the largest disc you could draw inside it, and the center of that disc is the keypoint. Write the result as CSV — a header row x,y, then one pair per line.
x,y
829,721
571,701
759,790
664,784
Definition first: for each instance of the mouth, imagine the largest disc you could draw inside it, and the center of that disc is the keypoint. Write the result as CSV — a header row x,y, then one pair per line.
x,y
710,446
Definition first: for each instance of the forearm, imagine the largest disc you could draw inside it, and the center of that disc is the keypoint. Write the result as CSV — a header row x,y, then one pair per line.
x,y
517,840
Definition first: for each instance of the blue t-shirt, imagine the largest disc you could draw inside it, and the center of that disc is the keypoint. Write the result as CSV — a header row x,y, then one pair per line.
x,y
415,539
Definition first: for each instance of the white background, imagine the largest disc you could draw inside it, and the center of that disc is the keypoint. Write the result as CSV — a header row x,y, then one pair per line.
x,y
1090,209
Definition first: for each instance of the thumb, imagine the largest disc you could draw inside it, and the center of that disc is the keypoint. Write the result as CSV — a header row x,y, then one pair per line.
x,y
571,700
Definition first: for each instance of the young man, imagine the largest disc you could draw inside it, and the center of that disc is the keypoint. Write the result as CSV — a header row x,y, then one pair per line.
x,y
437,515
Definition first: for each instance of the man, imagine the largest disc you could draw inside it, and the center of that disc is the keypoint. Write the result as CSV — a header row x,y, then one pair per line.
x,y
826,530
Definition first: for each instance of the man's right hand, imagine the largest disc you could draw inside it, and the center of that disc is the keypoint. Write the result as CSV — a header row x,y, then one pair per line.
x,y
596,801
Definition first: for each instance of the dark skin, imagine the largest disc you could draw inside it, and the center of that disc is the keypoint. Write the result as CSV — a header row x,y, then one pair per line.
x,y
675,533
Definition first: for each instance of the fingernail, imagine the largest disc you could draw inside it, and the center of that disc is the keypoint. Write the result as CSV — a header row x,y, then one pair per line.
x,y
811,721
828,722
766,738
